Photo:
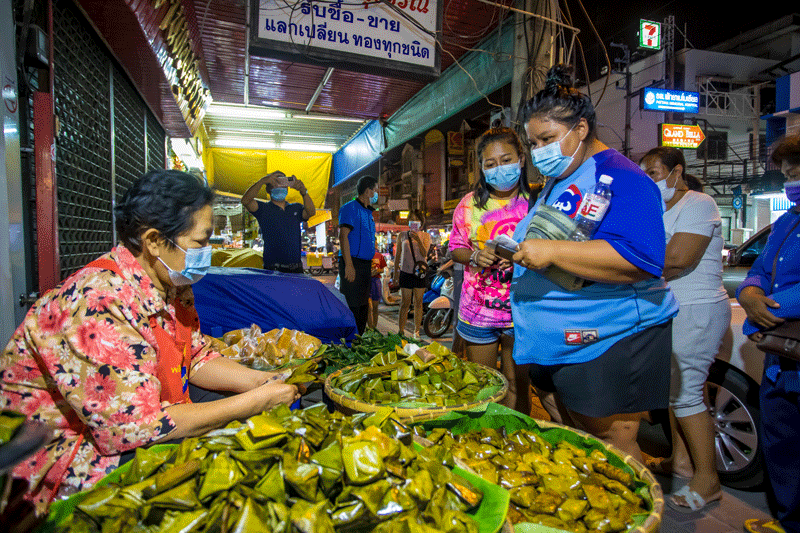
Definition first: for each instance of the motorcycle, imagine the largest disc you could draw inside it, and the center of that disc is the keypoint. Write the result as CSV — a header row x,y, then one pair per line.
x,y
438,303
440,311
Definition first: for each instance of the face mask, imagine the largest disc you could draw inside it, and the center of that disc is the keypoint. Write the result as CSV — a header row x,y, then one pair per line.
x,y
503,177
550,160
792,191
414,225
279,193
374,198
197,262
666,192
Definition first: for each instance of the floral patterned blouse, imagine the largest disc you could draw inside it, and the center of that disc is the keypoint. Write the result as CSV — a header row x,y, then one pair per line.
x,y
84,361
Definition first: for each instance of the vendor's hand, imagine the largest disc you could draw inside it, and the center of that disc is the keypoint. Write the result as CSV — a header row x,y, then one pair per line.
x,y
755,337
276,377
757,306
485,257
349,273
534,254
273,394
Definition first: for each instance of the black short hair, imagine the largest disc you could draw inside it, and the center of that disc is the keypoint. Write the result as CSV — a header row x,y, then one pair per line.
x,y
670,157
560,101
165,200
366,182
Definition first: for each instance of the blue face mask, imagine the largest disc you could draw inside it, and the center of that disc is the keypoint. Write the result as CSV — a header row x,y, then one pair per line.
x,y
503,177
278,193
374,198
550,160
792,191
197,262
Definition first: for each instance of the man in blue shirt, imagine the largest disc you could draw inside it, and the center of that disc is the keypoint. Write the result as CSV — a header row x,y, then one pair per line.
x,y
357,241
279,221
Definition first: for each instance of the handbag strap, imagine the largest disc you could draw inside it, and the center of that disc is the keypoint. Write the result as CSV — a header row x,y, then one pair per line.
x,y
411,245
778,253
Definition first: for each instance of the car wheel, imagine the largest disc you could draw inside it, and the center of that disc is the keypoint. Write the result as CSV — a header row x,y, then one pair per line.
x,y
733,401
437,321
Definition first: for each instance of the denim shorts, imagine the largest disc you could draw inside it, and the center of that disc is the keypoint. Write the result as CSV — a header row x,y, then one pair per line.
x,y
479,335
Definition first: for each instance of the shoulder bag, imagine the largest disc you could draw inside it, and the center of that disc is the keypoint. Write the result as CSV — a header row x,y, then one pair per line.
x,y
783,339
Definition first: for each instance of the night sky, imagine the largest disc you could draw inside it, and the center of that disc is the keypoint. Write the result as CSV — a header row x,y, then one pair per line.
x,y
706,22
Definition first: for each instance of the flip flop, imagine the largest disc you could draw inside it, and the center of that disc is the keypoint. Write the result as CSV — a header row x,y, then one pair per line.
x,y
694,501
761,525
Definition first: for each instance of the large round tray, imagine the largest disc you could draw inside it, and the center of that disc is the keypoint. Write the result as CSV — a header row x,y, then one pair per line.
x,y
349,405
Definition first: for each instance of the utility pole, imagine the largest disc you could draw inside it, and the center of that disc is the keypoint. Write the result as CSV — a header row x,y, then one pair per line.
x,y
527,59
669,52
624,67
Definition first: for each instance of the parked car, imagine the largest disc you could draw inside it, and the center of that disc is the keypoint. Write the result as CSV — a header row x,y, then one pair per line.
x,y
734,380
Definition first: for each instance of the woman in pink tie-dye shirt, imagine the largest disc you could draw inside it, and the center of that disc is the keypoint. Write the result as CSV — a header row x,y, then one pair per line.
x,y
498,202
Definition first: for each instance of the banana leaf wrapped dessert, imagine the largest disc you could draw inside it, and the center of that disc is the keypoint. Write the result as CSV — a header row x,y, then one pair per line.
x,y
284,471
409,376
557,485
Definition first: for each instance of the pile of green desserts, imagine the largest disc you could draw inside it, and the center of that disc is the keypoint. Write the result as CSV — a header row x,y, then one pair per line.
x,y
286,471
428,377
557,485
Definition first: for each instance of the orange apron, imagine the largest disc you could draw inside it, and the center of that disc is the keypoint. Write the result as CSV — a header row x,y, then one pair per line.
x,y
173,354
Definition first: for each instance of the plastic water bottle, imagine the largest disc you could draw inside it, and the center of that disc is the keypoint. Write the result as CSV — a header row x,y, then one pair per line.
x,y
593,209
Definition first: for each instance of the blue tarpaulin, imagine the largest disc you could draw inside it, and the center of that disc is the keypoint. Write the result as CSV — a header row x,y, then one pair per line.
x,y
235,298
361,151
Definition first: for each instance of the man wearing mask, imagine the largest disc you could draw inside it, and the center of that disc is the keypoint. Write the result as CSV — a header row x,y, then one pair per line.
x,y
357,241
280,221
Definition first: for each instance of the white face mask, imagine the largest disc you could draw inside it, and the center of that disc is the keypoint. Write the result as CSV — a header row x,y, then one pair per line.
x,y
667,193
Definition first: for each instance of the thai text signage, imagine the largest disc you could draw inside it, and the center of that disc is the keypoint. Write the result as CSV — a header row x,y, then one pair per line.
x,y
395,37
681,136
655,99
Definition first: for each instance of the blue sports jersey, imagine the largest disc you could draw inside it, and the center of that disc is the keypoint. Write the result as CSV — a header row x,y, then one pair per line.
x,y
567,327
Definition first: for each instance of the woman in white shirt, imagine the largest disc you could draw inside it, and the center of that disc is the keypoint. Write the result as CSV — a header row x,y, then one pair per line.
x,y
693,268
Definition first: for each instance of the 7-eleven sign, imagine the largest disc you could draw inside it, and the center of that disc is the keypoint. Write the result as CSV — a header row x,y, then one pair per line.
x,y
649,34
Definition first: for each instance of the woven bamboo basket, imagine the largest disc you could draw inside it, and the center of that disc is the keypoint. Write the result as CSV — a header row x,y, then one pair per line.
x,y
349,405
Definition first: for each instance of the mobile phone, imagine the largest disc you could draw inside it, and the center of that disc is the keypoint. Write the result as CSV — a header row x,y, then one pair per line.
x,y
285,181
504,251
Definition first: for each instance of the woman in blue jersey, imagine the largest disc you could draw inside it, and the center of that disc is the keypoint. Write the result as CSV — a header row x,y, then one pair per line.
x,y
594,318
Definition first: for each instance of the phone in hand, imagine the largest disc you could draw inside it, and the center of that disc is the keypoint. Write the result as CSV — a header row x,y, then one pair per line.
x,y
504,251
504,246
285,181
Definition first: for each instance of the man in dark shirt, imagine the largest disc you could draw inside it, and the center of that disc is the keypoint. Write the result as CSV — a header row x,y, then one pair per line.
x,y
279,220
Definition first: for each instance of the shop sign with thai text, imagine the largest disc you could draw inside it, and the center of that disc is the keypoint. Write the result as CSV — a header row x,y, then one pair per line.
x,y
656,99
681,136
394,36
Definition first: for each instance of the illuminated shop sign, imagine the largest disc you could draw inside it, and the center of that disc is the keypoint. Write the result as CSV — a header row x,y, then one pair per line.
x,y
681,136
654,99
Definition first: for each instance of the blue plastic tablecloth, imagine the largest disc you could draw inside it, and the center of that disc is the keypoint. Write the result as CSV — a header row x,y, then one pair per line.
x,y
235,298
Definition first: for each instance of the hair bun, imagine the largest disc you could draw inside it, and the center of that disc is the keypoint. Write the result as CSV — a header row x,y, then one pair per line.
x,y
559,76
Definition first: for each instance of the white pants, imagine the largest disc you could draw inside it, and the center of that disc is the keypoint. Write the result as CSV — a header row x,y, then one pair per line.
x,y
697,333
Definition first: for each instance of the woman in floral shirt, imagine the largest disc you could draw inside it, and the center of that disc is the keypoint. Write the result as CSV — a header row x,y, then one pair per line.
x,y
499,201
108,357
